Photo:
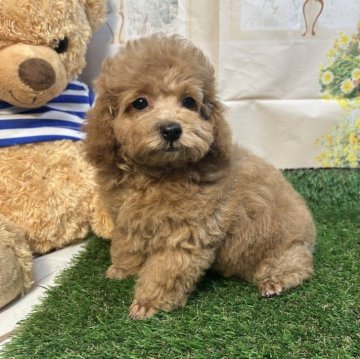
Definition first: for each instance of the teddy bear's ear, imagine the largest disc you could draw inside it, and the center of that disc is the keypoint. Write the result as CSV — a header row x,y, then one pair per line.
x,y
96,12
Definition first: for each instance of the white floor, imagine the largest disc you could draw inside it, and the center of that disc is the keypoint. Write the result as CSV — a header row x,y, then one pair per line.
x,y
46,268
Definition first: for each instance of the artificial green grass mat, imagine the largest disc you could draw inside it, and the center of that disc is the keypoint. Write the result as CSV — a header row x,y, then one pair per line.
x,y
86,315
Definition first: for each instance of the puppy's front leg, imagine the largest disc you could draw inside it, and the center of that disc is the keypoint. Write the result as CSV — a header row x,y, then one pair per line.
x,y
125,260
126,266
167,278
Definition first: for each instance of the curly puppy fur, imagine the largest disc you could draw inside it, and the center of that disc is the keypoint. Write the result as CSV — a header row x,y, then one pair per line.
x,y
183,198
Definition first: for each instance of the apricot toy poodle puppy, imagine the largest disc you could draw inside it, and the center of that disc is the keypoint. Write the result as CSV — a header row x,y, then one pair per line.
x,y
183,197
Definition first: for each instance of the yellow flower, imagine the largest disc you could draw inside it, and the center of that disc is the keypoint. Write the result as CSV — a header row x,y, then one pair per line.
x,y
357,122
355,75
353,138
344,103
326,96
352,158
347,86
355,102
344,39
331,54
329,139
327,77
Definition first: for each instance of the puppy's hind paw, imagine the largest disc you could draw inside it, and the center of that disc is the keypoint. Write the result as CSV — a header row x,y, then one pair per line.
x,y
141,311
270,289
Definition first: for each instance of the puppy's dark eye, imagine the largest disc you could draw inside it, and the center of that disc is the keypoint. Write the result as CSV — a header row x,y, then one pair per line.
x,y
189,103
62,45
140,103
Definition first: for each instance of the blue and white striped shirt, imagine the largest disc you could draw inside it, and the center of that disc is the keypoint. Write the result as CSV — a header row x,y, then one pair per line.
x,y
59,119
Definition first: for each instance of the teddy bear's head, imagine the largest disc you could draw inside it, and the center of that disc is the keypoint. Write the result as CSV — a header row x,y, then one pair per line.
x,y
43,45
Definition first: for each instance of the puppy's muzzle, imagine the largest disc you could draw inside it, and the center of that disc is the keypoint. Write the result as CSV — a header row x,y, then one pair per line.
x,y
171,131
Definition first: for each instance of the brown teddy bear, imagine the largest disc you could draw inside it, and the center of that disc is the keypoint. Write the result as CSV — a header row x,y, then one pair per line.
x,y
48,196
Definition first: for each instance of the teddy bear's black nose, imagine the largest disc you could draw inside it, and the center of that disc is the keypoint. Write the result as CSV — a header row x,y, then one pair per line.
x,y
37,74
171,131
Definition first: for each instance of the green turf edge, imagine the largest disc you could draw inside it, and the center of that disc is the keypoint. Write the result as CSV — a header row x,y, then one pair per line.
x,y
85,316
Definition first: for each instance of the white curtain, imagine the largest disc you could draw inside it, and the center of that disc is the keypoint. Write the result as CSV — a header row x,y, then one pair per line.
x,y
288,70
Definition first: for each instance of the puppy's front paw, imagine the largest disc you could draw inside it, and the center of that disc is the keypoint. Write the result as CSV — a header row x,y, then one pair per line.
x,y
270,288
141,311
115,273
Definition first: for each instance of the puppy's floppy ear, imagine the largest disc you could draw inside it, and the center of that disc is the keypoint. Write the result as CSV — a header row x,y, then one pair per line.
x,y
100,143
213,111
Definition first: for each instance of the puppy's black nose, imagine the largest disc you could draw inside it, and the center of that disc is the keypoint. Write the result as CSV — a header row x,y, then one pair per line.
x,y
171,131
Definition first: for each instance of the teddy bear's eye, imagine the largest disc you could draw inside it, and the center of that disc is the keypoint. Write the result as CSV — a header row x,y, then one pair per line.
x,y
140,103
189,103
62,45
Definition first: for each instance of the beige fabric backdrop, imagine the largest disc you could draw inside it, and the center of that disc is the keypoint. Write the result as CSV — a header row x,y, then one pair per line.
x,y
268,70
